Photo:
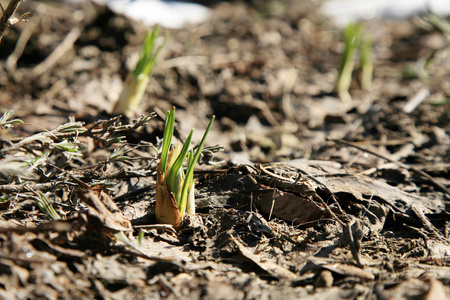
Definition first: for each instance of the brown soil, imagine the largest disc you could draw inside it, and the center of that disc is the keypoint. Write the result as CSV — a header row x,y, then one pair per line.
x,y
311,197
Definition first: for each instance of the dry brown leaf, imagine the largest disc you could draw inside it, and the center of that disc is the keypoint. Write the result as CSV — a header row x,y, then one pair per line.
x,y
102,208
287,206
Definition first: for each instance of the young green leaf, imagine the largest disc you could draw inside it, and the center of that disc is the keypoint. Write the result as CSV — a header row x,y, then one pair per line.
x,y
366,62
174,170
167,138
174,187
137,81
352,38
5,124
190,168
71,127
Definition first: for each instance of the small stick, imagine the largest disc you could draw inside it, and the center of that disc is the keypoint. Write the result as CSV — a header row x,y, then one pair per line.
x,y
7,14
165,227
25,36
17,188
304,188
415,101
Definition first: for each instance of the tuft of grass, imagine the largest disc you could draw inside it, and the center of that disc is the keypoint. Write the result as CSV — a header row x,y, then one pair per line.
x,y
174,185
137,81
366,62
352,38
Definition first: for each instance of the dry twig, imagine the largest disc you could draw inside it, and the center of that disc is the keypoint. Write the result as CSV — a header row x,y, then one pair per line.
x,y
11,62
6,19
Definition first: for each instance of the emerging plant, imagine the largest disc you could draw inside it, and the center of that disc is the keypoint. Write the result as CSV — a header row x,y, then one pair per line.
x,y
46,206
136,81
174,186
352,37
352,40
366,62
5,124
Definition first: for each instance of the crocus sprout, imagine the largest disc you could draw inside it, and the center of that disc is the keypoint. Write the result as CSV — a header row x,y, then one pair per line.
x,y
136,81
174,185
352,37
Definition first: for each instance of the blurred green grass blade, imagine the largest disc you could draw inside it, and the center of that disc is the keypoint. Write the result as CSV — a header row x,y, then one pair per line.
x,y
352,37
147,55
137,80
439,23
366,62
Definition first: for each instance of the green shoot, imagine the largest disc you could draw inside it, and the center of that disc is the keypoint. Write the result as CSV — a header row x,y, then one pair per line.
x,y
136,81
119,154
5,124
45,206
167,138
140,238
175,187
366,62
71,127
189,181
68,147
352,38
147,58
439,23
175,176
